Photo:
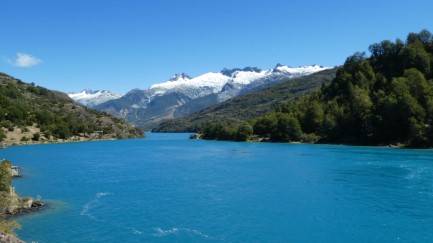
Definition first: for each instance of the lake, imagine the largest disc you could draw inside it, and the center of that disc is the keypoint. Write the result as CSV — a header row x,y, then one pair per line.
x,y
167,188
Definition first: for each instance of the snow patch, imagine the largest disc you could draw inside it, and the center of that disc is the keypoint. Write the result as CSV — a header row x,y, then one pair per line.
x,y
305,70
92,98
242,77
212,79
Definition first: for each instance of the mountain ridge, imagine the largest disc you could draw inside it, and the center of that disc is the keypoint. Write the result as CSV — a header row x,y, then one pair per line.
x,y
250,105
167,100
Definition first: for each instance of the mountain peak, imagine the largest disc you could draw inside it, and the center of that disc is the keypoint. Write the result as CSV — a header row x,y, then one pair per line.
x,y
229,72
87,91
180,76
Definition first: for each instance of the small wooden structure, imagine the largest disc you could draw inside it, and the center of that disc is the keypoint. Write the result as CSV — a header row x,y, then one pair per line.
x,y
15,171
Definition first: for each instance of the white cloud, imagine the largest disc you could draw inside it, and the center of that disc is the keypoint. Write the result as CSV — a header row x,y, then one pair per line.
x,y
25,60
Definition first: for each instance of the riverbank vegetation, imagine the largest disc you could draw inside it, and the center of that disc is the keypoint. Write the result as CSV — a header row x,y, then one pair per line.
x,y
6,198
11,204
386,98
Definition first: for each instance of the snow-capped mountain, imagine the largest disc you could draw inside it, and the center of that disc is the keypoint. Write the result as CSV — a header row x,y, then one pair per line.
x,y
298,71
213,82
91,98
182,94
245,80
192,87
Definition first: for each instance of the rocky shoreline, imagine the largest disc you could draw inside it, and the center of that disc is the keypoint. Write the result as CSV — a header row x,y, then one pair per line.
x,y
13,205
9,238
11,212
11,142
27,205
21,206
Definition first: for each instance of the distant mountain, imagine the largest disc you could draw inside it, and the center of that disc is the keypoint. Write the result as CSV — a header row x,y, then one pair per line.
x,y
183,95
91,98
33,114
248,106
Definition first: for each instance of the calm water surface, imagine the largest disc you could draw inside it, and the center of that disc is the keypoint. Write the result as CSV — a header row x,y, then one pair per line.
x,y
167,188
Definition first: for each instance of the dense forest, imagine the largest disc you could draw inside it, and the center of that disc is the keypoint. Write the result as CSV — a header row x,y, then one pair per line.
x,y
386,98
36,113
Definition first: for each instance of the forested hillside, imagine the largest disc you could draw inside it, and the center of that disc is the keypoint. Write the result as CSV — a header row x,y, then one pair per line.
x,y
33,114
386,98
236,110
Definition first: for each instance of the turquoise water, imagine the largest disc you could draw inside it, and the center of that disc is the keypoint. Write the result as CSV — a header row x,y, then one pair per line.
x,y
167,188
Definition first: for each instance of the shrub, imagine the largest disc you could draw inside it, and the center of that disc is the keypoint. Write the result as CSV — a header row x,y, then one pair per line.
x,y
8,227
36,136
244,132
309,138
5,176
2,134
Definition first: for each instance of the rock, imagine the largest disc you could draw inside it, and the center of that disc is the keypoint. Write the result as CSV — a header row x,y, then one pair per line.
x,y
195,136
9,238
12,209
37,204
28,204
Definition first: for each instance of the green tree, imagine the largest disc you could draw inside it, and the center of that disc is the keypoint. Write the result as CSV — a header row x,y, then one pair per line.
x,y
264,125
224,132
36,136
415,56
62,131
314,117
209,131
417,132
244,132
419,88
287,129
425,37
360,112
400,106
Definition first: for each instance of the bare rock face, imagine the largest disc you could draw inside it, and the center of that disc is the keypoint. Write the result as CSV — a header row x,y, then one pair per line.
x,y
28,204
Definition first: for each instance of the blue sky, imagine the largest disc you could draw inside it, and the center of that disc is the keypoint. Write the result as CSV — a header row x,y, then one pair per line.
x,y
119,45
